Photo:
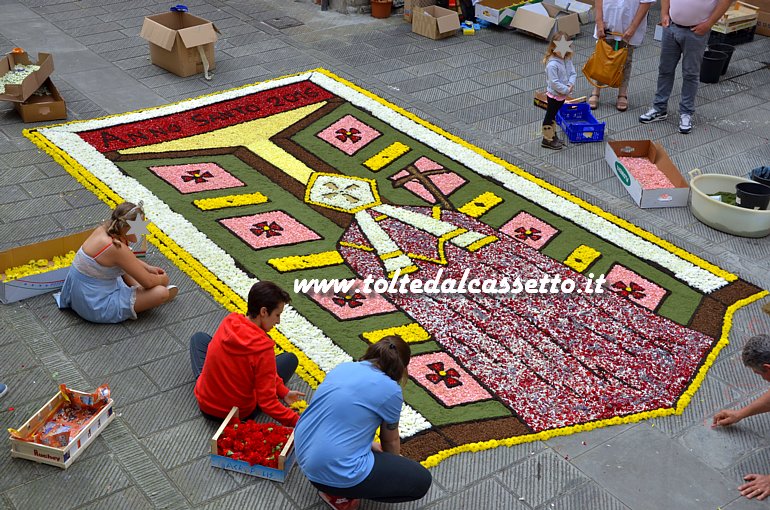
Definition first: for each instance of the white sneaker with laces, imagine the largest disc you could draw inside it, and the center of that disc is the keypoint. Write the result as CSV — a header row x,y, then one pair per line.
x,y
685,123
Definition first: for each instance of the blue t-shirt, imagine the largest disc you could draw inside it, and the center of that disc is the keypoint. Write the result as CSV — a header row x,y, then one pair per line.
x,y
333,439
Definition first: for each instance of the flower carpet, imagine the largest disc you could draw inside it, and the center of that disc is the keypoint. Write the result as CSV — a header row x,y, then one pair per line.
x,y
309,176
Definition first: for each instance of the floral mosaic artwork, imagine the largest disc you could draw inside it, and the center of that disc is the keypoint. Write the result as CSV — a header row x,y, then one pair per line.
x,y
318,178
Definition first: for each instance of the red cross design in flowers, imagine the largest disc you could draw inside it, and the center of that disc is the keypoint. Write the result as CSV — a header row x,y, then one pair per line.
x,y
451,377
197,176
353,300
352,134
632,289
271,229
528,233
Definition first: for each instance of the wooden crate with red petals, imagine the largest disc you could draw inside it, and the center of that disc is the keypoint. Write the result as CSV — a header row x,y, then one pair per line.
x,y
285,460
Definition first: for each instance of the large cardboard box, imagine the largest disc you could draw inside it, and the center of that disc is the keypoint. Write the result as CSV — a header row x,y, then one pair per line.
x,y
435,22
543,20
21,92
498,12
409,6
647,198
44,105
584,11
179,41
285,459
41,283
763,23
64,456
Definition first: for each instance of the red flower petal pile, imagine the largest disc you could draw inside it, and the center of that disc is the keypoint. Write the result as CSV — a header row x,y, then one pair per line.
x,y
252,442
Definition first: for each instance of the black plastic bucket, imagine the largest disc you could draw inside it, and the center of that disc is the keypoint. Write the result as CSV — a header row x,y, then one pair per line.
x,y
752,195
724,48
711,68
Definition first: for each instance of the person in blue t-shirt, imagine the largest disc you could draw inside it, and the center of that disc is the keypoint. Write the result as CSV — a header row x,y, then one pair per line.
x,y
334,438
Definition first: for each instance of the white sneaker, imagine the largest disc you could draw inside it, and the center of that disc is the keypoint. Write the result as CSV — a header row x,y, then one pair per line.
x,y
685,123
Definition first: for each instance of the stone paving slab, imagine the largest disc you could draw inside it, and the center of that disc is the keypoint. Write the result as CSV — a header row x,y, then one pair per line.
x,y
154,454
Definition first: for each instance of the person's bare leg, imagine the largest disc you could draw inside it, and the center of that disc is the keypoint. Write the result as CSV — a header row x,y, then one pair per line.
x,y
130,281
147,299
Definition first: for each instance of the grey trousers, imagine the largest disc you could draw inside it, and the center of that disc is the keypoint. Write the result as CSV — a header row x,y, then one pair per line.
x,y
679,43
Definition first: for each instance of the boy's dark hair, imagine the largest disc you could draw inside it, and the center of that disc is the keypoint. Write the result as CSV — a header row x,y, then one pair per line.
x,y
391,355
265,295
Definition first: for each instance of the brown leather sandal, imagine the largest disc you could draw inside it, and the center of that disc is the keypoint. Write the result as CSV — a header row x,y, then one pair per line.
x,y
622,103
593,101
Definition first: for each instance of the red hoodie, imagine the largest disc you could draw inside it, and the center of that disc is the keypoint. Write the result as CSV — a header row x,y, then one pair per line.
x,y
240,371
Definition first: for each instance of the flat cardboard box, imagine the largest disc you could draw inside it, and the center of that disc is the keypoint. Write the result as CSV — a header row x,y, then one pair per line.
x,y
763,23
543,20
20,93
60,457
435,22
42,283
42,108
497,12
409,6
285,459
584,11
176,39
541,100
647,198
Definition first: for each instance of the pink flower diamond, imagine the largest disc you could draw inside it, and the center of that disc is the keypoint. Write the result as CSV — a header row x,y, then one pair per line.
x,y
349,135
446,181
264,230
196,177
529,230
440,374
628,284
353,304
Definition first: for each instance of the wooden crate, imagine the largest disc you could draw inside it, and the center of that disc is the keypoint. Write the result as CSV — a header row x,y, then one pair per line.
x,y
60,457
739,16
285,459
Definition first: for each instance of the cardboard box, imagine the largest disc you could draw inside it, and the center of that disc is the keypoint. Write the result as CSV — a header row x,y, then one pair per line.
x,y
498,12
435,22
584,11
763,23
285,459
543,20
42,283
177,40
44,107
20,93
647,198
60,457
409,6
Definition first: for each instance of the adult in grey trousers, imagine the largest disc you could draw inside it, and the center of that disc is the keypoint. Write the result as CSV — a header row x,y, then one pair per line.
x,y
685,42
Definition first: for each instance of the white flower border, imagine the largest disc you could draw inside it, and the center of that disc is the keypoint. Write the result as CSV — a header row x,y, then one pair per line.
x,y
301,332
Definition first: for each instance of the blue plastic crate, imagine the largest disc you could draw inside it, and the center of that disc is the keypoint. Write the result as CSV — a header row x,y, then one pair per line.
x,y
580,125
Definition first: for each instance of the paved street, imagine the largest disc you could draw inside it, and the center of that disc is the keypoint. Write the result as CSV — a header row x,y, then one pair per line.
x,y
154,455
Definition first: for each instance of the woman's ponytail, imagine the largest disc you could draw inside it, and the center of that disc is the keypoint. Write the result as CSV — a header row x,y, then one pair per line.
x,y
391,355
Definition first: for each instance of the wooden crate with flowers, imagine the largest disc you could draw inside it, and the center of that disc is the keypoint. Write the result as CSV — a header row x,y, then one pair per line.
x,y
59,432
265,450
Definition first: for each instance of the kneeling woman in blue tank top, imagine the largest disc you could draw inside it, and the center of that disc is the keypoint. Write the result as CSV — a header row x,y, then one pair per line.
x,y
335,436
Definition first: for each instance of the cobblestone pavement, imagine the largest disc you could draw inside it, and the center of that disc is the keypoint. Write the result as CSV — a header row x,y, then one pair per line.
x,y
480,88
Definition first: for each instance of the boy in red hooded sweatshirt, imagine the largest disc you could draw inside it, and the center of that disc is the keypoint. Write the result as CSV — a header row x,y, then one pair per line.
x,y
238,367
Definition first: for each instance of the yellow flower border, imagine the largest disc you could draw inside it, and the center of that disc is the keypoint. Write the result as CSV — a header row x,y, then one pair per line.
x,y
309,371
